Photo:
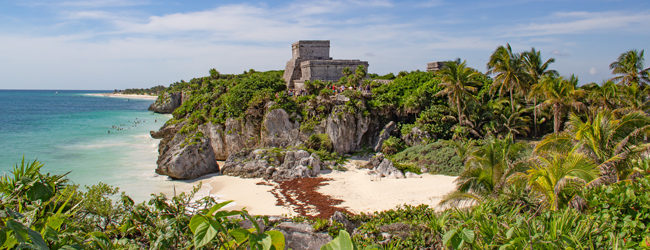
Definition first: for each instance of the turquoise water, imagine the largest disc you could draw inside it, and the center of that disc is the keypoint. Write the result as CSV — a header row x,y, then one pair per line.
x,y
68,131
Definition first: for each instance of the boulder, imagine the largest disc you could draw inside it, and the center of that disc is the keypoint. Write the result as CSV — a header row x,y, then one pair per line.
x,y
385,134
187,160
341,218
386,169
412,175
231,137
346,130
301,236
272,164
278,130
416,137
167,103
375,161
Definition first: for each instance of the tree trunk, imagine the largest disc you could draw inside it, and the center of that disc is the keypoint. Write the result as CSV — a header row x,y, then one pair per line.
x,y
460,121
556,116
512,101
535,116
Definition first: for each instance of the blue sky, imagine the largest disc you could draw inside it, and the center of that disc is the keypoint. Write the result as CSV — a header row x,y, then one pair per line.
x,y
108,44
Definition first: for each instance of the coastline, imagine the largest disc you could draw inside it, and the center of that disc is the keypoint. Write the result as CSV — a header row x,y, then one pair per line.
x,y
354,186
132,96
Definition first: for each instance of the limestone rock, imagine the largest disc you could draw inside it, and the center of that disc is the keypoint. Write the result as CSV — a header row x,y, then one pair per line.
x,y
416,137
375,161
346,130
232,137
278,130
412,175
341,218
187,161
387,169
168,103
272,164
301,236
341,99
385,134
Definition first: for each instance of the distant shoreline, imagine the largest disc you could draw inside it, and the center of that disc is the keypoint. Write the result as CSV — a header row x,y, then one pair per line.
x,y
133,96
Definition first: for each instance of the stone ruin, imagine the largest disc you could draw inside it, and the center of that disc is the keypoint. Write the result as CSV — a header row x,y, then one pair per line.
x,y
435,66
311,61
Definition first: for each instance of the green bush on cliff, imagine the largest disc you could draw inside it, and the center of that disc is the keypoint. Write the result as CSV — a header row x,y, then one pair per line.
x,y
407,95
319,142
392,145
438,157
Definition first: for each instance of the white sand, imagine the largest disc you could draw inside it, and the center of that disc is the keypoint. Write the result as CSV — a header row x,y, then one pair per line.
x,y
132,96
355,187
257,199
361,193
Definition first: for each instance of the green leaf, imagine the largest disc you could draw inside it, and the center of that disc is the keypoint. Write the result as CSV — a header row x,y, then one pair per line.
x,y
218,206
342,242
196,221
277,239
20,231
467,235
239,234
101,240
203,234
447,236
509,233
51,234
71,247
40,191
3,236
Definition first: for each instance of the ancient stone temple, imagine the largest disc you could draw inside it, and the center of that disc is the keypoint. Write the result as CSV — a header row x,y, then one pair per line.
x,y
435,66
311,61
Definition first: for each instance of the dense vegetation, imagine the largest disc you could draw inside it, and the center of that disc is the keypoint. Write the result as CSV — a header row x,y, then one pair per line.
x,y
157,90
543,163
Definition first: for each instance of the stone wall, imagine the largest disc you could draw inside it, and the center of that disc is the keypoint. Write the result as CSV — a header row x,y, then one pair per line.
x,y
316,50
435,66
310,61
303,51
328,70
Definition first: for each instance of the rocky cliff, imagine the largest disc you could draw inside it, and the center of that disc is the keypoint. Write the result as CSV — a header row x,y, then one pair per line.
x,y
179,159
167,103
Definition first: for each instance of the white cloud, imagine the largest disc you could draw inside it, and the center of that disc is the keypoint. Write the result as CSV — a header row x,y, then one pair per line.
x,y
559,53
593,71
580,22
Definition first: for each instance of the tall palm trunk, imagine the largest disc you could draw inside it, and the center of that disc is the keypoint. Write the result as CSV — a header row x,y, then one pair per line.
x,y
512,101
535,117
556,116
460,121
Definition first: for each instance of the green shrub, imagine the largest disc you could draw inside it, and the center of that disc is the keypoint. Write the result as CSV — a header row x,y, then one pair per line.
x,y
392,145
409,167
319,142
438,157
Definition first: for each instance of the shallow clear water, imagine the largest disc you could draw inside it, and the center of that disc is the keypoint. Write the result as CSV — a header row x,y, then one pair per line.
x,y
68,131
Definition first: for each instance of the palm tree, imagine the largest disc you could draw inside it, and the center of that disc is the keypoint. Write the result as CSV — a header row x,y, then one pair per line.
x,y
458,84
634,98
559,94
629,68
487,170
504,122
510,75
611,143
603,96
558,177
535,68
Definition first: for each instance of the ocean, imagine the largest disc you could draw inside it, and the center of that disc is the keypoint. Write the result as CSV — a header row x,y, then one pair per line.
x,y
67,131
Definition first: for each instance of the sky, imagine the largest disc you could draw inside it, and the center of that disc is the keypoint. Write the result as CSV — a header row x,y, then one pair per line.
x,y
119,44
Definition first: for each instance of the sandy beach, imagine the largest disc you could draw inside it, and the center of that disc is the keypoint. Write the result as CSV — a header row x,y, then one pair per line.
x,y
132,96
358,191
